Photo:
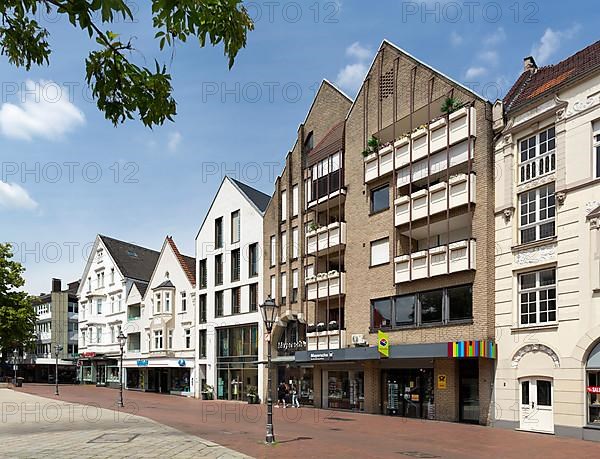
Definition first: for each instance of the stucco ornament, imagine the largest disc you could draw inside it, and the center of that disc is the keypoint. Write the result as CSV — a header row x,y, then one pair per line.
x,y
536,255
582,105
535,348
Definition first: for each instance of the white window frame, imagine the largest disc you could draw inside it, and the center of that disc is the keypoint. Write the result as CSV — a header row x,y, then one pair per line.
x,y
596,148
283,205
541,296
167,301
273,287
295,242
235,226
538,221
99,306
532,164
283,287
187,335
157,303
273,250
170,338
158,339
112,304
380,245
283,246
183,302
295,201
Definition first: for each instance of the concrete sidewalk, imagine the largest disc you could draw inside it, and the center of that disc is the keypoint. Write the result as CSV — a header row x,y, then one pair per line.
x,y
36,427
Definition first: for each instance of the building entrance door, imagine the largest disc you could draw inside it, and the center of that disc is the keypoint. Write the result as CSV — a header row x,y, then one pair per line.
x,y
408,392
101,375
469,391
537,413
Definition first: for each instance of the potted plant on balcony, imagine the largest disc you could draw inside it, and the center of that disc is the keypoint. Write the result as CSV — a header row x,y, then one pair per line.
x,y
311,328
450,105
252,395
320,327
333,325
372,147
312,227
207,393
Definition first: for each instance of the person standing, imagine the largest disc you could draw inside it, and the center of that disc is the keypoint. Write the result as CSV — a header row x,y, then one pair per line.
x,y
281,393
295,401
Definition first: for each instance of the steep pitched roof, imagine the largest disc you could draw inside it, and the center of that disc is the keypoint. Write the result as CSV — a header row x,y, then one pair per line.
x,y
260,199
134,261
331,143
188,264
142,287
165,284
532,85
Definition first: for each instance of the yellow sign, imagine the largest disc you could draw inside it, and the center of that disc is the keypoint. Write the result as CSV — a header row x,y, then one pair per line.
x,y
383,344
442,381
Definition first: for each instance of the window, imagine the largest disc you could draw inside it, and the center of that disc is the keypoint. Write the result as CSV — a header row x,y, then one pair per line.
x,y
283,246
219,233
380,199
157,305
119,303
295,198
272,292
112,304
309,142
253,293
112,334
596,148
380,251
537,155
235,265
167,301
325,177
99,306
236,300
188,338
183,301
283,288
235,226
273,250
89,284
170,338
158,339
295,243
283,206
202,344
294,286
537,213
112,276
202,308
203,274
537,297
253,260
99,335
439,306
219,304
219,269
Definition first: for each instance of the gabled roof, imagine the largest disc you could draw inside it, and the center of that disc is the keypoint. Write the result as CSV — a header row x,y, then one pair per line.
x,y
134,261
260,199
165,284
535,84
188,264
332,142
142,287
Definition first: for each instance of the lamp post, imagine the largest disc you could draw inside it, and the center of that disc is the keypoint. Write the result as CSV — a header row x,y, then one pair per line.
x,y
269,311
122,339
57,350
15,360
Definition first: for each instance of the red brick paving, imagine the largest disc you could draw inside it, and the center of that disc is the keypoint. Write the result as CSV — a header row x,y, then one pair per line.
x,y
308,432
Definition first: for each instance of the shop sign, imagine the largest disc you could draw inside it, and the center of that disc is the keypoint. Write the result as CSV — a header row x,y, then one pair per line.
x,y
181,362
316,356
383,344
593,389
441,381
88,355
142,363
284,346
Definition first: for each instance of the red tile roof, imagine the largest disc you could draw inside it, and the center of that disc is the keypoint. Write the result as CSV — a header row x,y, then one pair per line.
x,y
540,82
188,264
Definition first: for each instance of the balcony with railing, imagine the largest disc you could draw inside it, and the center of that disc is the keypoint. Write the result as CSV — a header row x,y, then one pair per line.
x,y
325,285
445,140
537,167
320,337
325,238
458,191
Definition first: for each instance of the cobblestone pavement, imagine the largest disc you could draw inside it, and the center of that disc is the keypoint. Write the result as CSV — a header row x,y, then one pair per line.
x,y
307,432
36,427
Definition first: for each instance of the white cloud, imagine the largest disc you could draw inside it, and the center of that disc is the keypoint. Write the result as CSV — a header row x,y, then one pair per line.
x,y
456,39
496,37
44,111
174,141
13,196
351,77
490,57
551,41
357,51
475,72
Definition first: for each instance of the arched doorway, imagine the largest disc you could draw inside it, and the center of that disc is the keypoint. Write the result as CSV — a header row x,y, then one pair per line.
x,y
592,369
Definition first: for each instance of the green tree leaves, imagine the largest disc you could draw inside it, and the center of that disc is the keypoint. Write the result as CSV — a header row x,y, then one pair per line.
x,y
122,89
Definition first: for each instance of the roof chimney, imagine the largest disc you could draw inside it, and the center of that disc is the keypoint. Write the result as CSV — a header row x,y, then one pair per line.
x,y
529,64
56,285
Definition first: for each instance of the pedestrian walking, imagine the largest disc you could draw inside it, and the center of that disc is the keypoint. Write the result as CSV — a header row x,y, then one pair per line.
x,y
281,394
295,401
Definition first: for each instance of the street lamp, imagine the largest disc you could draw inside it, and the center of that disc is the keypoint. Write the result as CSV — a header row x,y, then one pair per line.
x,y
57,350
269,311
122,339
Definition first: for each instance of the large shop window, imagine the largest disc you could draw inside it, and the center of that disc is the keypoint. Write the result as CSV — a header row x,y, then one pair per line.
x,y
537,155
439,306
537,213
537,297
593,387
345,390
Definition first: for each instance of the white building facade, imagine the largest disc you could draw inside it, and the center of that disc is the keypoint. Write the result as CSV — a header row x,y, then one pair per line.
x,y
229,291
548,249
113,273
160,327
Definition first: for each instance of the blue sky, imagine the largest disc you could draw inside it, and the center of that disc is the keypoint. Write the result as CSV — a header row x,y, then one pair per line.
x,y
68,174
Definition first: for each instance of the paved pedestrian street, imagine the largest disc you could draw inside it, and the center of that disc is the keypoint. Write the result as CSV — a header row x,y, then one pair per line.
x,y
189,426
36,427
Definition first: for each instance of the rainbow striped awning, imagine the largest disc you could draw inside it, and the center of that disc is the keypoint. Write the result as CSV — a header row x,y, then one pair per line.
x,y
482,348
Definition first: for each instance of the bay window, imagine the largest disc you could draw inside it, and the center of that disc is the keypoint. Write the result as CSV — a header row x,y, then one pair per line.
x,y
537,297
537,155
158,339
537,214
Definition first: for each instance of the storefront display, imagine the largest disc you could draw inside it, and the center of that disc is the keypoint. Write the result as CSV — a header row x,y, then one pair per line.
x,y
237,354
135,378
180,380
593,396
408,392
345,390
